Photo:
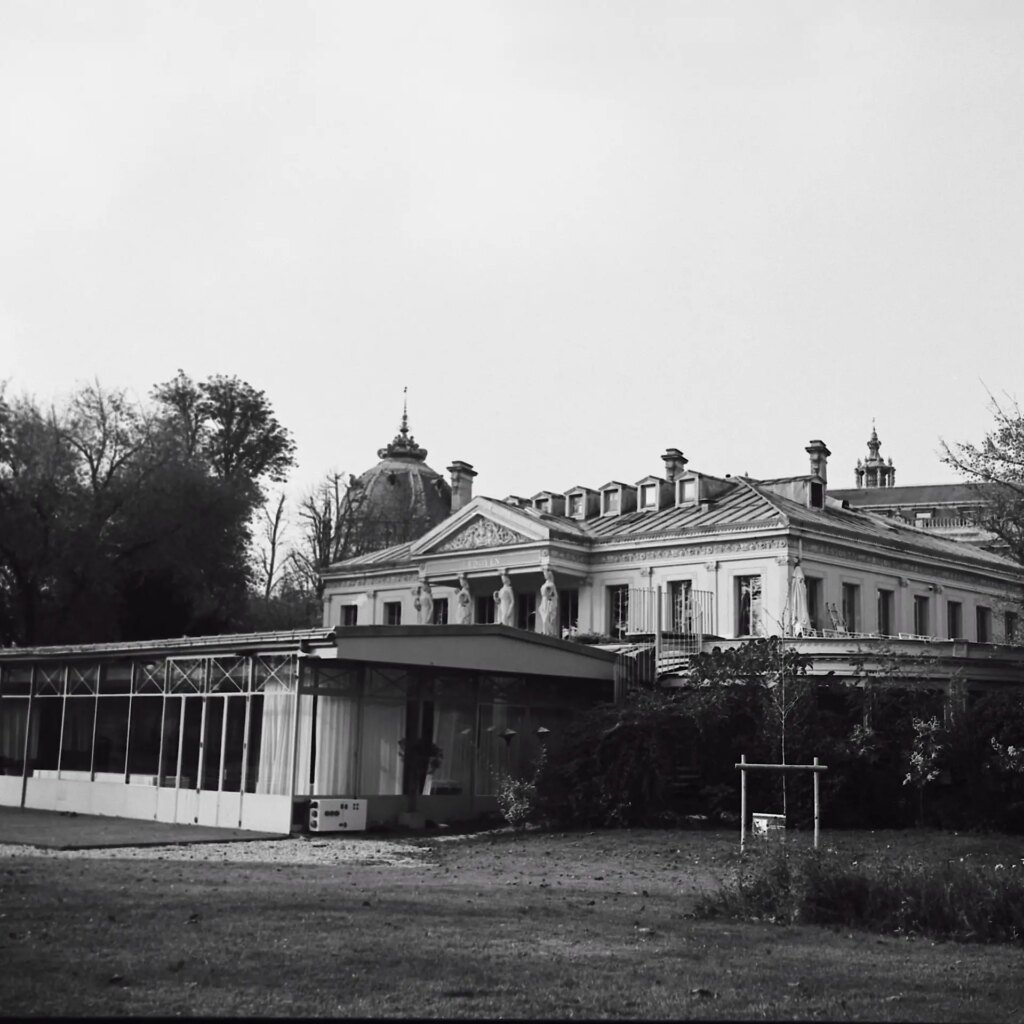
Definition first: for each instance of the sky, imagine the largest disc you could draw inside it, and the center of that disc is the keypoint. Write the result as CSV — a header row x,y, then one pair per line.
x,y
579,232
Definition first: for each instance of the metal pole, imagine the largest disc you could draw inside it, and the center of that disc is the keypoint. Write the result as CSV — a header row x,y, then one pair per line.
x,y
816,804
28,733
743,802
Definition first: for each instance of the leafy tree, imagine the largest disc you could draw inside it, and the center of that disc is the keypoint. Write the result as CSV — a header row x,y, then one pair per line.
x,y
996,468
230,424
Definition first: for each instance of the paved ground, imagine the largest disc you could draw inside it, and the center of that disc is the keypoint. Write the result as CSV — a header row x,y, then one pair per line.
x,y
57,830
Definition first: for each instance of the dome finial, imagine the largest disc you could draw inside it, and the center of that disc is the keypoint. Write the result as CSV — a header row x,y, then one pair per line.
x,y
403,444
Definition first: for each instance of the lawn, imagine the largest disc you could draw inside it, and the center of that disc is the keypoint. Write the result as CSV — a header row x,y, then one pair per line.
x,y
534,925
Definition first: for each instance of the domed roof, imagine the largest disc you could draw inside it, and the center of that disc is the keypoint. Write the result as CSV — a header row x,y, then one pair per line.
x,y
400,498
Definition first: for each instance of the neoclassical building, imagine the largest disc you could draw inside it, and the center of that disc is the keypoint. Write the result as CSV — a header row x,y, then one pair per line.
x,y
684,552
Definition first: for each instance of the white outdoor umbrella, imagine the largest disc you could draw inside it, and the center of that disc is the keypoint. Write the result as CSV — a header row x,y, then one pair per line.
x,y
799,620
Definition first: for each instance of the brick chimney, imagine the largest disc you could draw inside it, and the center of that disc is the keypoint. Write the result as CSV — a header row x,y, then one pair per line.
x,y
675,463
462,474
819,453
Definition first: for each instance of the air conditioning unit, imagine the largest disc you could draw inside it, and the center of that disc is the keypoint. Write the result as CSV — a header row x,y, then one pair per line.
x,y
342,815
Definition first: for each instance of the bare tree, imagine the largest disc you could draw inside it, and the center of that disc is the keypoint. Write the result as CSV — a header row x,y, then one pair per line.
x,y
271,567
331,526
996,467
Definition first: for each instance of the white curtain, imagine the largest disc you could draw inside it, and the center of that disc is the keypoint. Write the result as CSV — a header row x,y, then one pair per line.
x,y
278,727
453,733
13,716
380,764
335,738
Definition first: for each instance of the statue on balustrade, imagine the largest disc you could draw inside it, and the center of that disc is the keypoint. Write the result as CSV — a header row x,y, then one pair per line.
x,y
505,602
546,621
423,602
463,603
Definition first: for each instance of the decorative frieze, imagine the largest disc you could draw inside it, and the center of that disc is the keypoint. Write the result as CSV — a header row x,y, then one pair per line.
x,y
694,551
482,533
362,582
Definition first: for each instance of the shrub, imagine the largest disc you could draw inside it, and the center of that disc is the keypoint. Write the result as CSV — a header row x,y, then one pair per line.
x,y
957,900
517,800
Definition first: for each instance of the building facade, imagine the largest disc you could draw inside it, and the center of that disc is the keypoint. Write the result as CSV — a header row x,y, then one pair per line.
x,y
685,552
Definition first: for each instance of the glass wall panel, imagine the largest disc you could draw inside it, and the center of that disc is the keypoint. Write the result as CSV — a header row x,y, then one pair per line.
x,y
46,715
144,736
383,729
111,734
76,748
192,720
234,708
277,727
171,733
497,754
13,720
212,746
335,744
454,734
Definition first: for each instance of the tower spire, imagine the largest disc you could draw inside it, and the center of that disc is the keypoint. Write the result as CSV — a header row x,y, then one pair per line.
x,y
403,444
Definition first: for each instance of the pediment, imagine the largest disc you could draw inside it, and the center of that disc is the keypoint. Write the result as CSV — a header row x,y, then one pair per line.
x,y
481,533
483,523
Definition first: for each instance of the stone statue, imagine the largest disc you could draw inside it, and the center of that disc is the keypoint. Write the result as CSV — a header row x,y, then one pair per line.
x,y
505,602
546,620
463,603
423,602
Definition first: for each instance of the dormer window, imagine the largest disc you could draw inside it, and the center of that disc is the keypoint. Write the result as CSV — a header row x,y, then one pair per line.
x,y
542,504
817,494
688,491
648,496
611,502
576,506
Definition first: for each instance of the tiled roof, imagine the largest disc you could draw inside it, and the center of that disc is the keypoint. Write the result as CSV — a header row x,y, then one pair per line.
x,y
926,494
884,531
397,554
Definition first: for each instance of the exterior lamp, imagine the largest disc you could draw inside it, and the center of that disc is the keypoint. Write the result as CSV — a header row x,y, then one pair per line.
x,y
543,733
508,736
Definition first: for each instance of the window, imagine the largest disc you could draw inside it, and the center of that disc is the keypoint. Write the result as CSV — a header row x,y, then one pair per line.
x,y
576,506
748,605
349,614
484,610
618,611
687,490
954,620
526,609
541,504
392,613
851,607
569,609
649,496
886,600
440,617
814,601
817,495
984,622
922,616
610,502
1010,627
680,608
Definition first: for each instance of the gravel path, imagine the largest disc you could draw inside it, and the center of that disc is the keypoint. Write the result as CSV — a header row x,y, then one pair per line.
x,y
278,851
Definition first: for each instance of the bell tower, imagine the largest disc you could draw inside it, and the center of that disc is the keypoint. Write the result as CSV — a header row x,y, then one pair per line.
x,y
874,471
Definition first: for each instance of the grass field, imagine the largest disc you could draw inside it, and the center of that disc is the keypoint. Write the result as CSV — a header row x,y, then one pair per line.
x,y
533,925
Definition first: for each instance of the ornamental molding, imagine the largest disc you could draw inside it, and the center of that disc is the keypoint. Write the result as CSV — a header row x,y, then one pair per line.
x,y
373,581
895,566
482,533
694,551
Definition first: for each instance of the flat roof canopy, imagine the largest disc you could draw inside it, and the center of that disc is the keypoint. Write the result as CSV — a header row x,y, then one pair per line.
x,y
483,648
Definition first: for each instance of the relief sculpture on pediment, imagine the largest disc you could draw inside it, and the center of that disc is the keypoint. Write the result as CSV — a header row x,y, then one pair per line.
x,y
482,533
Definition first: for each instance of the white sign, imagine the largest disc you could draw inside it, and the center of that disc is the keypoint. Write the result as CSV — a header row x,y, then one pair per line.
x,y
342,815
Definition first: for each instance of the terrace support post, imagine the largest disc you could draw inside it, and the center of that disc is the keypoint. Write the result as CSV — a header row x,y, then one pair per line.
x,y
743,801
816,805
657,630
28,732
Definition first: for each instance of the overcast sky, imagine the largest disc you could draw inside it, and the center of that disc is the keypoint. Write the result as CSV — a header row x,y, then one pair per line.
x,y
580,232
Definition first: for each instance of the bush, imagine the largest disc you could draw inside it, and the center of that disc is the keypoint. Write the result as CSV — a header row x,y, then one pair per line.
x,y
958,900
517,800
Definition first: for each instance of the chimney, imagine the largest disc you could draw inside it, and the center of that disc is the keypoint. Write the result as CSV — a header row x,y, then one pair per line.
x,y
462,484
819,454
675,463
